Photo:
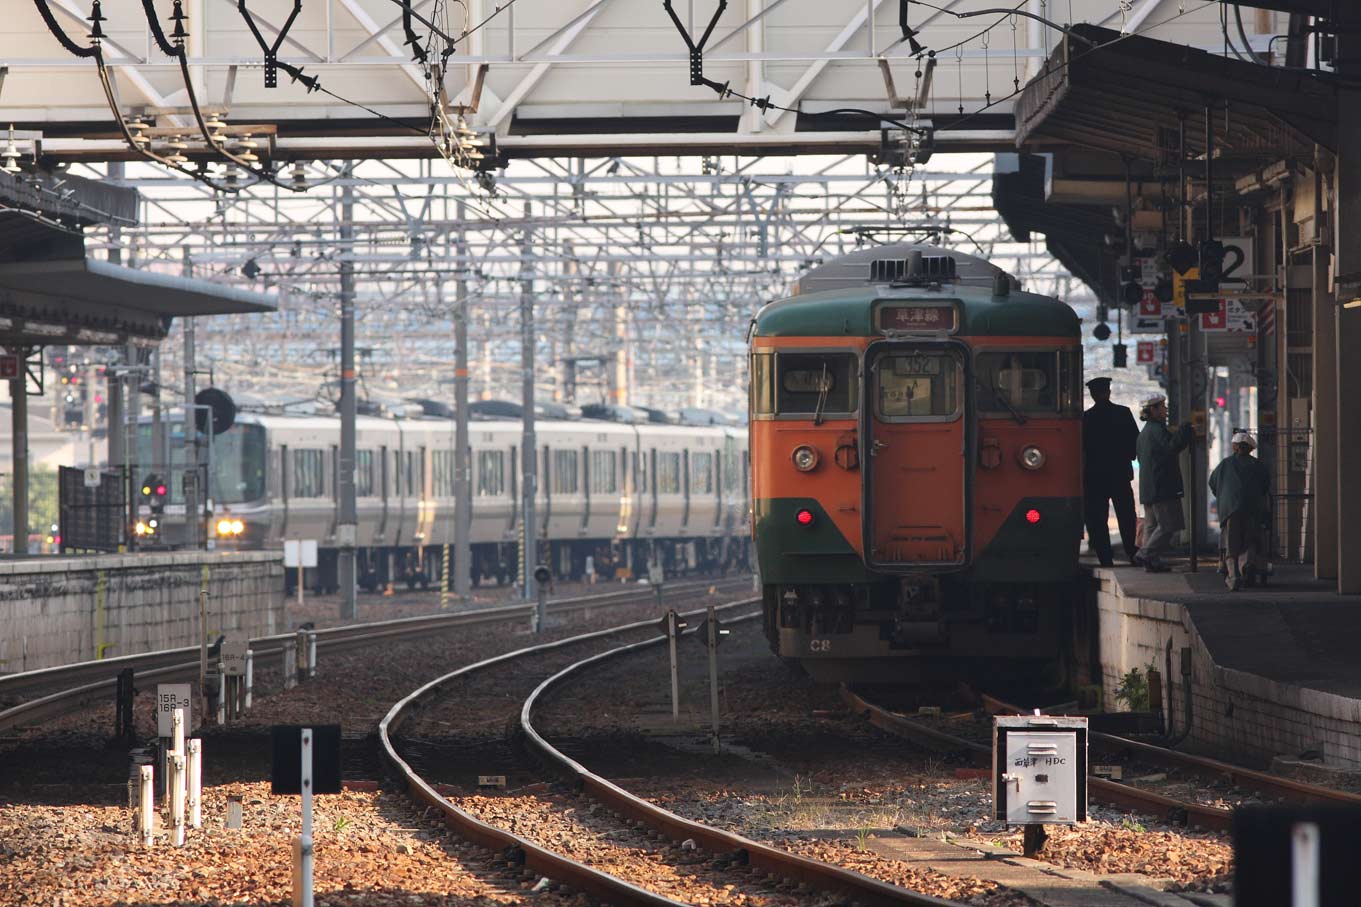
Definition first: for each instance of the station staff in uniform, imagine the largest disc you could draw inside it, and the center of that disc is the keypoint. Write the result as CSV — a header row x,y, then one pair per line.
x,y
1109,442
1160,487
1241,486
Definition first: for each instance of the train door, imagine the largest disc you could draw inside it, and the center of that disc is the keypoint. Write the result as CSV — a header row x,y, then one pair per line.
x,y
651,460
586,477
516,467
685,488
915,492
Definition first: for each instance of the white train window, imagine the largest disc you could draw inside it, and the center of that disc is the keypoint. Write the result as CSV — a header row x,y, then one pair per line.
x,y
565,472
701,473
442,462
491,473
308,478
363,473
604,477
668,473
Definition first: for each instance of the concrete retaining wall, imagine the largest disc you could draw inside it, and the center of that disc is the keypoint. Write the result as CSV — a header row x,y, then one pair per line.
x,y
1233,711
58,610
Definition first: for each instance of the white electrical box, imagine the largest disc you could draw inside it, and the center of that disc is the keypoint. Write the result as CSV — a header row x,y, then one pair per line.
x,y
1039,769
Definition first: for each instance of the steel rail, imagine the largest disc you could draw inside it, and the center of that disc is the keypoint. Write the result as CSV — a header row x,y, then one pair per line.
x,y
92,679
538,858
860,888
1106,791
1261,782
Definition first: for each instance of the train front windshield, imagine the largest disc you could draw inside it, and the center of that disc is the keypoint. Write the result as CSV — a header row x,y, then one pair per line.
x,y
239,464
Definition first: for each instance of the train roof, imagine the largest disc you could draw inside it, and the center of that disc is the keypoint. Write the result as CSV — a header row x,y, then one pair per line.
x,y
840,297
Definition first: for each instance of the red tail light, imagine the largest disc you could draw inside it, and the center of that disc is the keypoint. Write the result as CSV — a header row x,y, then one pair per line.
x,y
1032,516
804,517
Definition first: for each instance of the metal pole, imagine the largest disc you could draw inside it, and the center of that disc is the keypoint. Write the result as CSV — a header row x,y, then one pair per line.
x,y
671,632
203,652
529,446
712,626
302,850
463,485
347,528
191,495
18,396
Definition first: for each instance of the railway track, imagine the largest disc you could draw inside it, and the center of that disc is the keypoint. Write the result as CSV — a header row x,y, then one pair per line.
x,y
1173,809
45,693
644,868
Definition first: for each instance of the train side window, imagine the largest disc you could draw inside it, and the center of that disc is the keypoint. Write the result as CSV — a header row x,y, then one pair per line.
x,y
363,471
809,383
762,384
668,473
442,469
602,469
309,479
640,474
917,385
1022,381
491,473
701,473
565,472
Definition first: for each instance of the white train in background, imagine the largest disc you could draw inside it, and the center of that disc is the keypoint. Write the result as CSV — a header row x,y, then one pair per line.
x,y
618,492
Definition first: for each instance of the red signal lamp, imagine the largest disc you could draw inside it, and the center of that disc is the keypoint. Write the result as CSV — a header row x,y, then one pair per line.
x,y
804,517
160,490
1032,516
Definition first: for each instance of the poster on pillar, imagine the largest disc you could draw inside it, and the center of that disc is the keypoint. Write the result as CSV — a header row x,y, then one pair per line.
x,y
1146,352
1232,317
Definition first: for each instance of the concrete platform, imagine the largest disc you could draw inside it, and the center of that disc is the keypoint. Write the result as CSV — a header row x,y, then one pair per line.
x,y
1276,671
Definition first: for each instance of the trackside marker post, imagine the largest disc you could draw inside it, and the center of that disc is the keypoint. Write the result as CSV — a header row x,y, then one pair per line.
x,y
671,625
146,810
195,768
302,845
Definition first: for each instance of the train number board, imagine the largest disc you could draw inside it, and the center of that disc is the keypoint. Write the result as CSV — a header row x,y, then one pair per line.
x,y
930,318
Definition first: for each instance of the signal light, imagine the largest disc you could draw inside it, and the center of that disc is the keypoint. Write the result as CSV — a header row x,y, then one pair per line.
x,y
804,517
160,489
1032,516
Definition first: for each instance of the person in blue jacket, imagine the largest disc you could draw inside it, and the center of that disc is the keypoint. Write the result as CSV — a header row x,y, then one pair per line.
x,y
1241,484
1160,487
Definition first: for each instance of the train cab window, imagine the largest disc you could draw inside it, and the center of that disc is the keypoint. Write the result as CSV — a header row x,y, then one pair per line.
x,y
815,384
762,384
668,473
917,385
363,473
701,473
491,473
239,464
565,472
1023,382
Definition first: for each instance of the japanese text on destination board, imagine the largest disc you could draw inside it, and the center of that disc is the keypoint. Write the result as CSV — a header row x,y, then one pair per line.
x,y
917,318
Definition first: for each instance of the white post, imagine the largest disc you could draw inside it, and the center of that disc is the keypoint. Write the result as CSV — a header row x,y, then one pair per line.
x,y
302,845
675,671
146,800
1304,864
312,653
222,685
177,731
250,675
300,574
195,766
176,763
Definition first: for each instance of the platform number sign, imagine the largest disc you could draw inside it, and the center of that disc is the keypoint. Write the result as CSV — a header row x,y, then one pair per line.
x,y
171,696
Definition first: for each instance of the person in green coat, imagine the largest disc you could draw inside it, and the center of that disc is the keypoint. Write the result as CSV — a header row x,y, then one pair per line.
x,y
1241,485
1160,487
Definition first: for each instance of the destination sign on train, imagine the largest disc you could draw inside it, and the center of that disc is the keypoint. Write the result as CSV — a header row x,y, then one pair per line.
x,y
917,318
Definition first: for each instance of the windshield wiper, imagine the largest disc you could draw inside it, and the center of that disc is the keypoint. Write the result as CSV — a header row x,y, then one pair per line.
x,y
824,386
1006,401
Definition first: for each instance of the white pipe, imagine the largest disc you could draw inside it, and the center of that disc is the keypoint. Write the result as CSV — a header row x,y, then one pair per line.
x,y
146,800
312,653
176,782
250,675
177,731
195,766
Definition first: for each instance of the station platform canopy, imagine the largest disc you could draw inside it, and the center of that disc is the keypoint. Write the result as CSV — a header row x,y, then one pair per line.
x,y
51,292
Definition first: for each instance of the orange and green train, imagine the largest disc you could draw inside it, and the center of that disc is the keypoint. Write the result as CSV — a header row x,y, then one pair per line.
x,y
916,468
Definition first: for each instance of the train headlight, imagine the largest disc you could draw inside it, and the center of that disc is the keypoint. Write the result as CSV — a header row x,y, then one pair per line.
x,y
238,527
224,527
805,458
1032,458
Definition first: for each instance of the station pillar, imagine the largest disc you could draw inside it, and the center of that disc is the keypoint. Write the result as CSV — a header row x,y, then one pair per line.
x,y
18,398
1325,409
1347,271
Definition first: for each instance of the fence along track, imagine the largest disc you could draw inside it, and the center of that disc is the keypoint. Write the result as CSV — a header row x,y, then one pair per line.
x,y
91,680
